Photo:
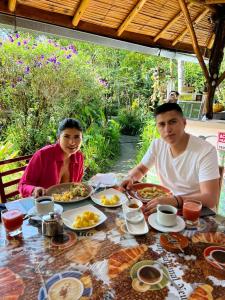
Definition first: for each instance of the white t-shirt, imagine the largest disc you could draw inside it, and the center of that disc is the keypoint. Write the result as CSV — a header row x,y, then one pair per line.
x,y
183,174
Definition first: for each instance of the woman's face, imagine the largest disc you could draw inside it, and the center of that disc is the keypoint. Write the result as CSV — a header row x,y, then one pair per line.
x,y
70,140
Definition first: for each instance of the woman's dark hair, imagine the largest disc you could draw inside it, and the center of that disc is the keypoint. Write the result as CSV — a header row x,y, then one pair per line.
x,y
69,123
168,107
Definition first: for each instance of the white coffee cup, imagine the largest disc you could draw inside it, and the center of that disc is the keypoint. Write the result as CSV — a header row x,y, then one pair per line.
x,y
149,274
44,205
166,215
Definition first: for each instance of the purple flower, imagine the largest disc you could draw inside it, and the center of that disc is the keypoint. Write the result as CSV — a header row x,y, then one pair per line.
x,y
25,42
13,85
103,82
19,43
17,35
58,63
68,56
19,62
19,78
27,70
38,64
52,59
42,56
11,39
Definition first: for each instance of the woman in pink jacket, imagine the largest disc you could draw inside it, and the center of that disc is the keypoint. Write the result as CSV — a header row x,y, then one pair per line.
x,y
57,163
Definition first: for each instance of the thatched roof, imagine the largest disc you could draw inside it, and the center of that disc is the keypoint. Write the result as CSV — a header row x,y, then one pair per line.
x,y
154,23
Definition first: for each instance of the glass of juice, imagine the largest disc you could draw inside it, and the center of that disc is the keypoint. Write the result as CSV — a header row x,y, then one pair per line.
x,y
12,220
191,212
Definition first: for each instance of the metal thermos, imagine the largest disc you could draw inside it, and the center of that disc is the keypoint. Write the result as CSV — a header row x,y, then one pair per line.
x,y
52,224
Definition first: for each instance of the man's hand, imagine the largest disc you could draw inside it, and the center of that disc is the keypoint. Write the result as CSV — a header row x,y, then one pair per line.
x,y
127,183
38,192
150,207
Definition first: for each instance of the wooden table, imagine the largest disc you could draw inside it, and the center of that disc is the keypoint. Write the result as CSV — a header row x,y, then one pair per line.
x,y
31,265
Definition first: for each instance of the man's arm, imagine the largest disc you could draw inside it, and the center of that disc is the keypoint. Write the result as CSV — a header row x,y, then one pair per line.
x,y
208,195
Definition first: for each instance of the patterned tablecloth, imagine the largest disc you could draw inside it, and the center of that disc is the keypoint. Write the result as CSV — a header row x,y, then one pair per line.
x,y
101,259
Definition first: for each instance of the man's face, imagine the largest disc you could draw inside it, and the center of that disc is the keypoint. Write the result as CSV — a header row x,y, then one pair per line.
x,y
172,97
171,126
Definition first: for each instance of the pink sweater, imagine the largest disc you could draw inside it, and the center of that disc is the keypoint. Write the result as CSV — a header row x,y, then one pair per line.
x,y
44,168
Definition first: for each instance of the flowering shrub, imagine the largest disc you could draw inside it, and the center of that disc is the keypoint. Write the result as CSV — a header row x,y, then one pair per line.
x,y
43,82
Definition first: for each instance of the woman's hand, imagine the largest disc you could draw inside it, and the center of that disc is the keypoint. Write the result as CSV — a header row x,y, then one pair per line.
x,y
150,207
38,192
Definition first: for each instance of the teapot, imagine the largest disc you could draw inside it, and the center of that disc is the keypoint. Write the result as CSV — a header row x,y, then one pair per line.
x,y
52,224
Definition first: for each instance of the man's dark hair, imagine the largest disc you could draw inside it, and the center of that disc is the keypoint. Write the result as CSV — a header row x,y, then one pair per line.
x,y
69,123
176,92
168,107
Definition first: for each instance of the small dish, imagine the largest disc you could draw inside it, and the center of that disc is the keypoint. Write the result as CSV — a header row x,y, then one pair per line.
x,y
133,204
134,217
109,193
69,216
152,220
138,228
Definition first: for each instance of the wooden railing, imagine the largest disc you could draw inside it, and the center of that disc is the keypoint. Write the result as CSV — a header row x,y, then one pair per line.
x,y
3,194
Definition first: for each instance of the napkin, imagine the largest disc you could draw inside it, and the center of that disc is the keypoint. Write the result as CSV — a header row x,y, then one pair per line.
x,y
104,179
23,204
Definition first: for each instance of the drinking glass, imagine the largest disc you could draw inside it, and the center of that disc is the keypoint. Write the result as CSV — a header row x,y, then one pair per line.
x,y
191,212
12,220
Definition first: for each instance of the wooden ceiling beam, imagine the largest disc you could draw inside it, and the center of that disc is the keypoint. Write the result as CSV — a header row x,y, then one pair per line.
x,y
214,1
170,23
211,41
195,45
195,21
130,17
12,5
80,11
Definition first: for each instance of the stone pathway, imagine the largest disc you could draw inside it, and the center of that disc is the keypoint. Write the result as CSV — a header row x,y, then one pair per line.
x,y
128,150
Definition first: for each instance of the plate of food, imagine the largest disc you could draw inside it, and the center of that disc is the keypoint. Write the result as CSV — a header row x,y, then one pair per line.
x,y
147,191
69,192
84,217
109,198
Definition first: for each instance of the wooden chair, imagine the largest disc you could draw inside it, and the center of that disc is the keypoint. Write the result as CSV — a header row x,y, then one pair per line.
x,y
4,196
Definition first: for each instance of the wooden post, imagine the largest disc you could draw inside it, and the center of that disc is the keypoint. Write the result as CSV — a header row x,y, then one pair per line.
x,y
215,59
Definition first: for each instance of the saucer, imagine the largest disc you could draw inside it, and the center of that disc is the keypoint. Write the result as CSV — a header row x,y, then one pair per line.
x,y
176,228
57,209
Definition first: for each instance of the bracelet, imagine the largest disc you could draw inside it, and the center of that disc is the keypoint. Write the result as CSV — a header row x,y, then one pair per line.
x,y
176,198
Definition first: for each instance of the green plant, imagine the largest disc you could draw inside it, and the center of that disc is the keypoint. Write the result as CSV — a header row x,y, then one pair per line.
x,y
148,134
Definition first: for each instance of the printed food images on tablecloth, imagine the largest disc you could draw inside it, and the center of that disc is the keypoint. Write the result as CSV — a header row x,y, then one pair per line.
x,y
202,292
67,285
152,275
217,238
123,259
84,251
12,285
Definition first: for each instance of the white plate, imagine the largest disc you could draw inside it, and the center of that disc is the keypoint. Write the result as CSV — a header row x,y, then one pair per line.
x,y
138,228
109,193
57,208
178,227
69,216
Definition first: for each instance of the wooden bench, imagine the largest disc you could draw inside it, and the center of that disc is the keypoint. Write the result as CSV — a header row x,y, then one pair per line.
x,y
23,161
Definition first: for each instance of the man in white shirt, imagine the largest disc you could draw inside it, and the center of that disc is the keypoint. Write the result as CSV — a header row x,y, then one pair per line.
x,y
186,165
